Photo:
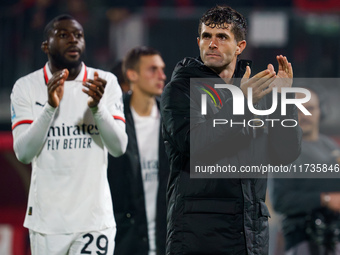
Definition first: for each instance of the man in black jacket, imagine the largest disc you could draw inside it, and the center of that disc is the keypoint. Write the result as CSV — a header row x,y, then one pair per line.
x,y
138,178
222,215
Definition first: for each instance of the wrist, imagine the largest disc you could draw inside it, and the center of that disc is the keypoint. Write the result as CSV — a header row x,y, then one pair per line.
x,y
52,104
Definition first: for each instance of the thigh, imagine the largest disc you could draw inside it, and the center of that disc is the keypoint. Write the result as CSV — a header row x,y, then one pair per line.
x,y
95,242
42,244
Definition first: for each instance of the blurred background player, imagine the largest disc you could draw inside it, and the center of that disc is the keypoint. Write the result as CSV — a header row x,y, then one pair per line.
x,y
65,117
138,179
310,207
117,70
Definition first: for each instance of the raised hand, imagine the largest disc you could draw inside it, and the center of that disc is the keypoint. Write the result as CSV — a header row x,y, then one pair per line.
x,y
260,83
284,77
94,89
55,87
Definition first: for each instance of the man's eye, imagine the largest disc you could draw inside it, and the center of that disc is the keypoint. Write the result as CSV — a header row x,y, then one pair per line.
x,y
79,35
62,35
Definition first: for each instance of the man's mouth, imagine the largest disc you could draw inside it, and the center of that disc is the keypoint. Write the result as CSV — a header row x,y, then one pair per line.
x,y
212,55
160,85
73,51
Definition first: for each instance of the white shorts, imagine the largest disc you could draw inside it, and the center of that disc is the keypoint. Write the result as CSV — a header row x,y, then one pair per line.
x,y
96,242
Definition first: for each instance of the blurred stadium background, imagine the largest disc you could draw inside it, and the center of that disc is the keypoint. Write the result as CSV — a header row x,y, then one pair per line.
x,y
306,31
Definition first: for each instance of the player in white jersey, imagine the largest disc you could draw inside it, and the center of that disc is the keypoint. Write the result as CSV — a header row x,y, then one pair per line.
x,y
65,118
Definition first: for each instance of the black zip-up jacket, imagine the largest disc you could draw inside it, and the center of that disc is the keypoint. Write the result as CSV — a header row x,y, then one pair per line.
x,y
222,215
126,184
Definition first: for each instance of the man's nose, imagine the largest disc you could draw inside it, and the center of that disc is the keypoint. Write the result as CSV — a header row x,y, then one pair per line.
x,y
162,75
72,37
213,43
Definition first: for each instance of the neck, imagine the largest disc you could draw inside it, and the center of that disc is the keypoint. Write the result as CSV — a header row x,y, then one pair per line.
x,y
311,136
142,103
226,72
73,72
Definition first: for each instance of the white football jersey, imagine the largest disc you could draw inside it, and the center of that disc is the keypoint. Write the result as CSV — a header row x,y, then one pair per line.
x,y
69,191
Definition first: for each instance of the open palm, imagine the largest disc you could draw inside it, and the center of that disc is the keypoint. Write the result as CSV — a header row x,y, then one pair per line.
x,y
284,77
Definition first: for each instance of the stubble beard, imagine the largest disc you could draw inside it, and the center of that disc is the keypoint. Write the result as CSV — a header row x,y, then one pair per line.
x,y
61,62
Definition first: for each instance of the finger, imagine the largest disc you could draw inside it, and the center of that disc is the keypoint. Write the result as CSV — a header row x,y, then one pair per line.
x,y
54,85
96,83
283,64
263,82
288,67
61,74
96,75
280,62
93,89
261,74
247,73
290,72
266,91
267,83
58,77
95,96
103,81
66,73
271,68
97,78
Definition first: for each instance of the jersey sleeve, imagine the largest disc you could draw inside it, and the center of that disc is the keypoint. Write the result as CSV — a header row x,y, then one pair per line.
x,y
21,109
28,135
110,119
115,98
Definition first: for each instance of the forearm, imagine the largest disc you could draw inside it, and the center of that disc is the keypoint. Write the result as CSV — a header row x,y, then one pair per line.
x,y
28,141
112,131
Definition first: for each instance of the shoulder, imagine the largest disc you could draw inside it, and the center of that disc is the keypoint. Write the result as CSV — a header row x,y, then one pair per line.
x,y
26,82
108,76
328,141
31,77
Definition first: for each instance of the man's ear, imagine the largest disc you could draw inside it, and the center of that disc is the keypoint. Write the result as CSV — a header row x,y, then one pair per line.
x,y
131,75
44,47
241,45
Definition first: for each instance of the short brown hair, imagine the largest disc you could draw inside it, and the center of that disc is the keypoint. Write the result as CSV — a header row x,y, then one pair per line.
x,y
132,58
218,16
